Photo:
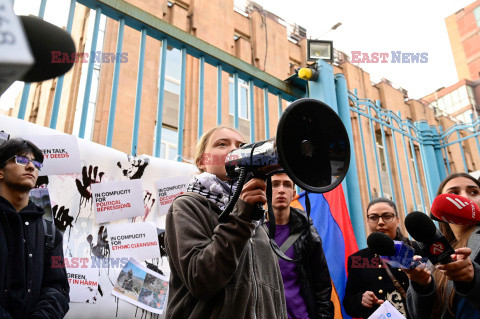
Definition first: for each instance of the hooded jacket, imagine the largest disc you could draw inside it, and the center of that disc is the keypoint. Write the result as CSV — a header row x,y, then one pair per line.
x,y
29,286
223,270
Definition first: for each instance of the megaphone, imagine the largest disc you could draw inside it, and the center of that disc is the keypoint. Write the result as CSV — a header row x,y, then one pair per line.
x,y
311,146
27,54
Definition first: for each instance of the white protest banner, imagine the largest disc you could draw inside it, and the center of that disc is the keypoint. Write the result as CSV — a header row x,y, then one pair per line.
x,y
136,240
118,200
60,153
386,311
83,282
142,287
168,189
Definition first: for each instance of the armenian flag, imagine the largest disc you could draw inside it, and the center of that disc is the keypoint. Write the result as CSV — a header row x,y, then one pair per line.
x,y
331,219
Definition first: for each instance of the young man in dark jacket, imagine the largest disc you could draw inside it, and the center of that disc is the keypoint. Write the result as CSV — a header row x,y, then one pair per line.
x,y
29,286
307,284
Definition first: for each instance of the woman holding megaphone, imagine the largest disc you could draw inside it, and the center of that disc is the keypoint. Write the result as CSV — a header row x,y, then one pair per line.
x,y
220,270
451,290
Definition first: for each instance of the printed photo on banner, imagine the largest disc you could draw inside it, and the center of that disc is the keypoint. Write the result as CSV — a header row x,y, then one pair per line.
x,y
142,287
136,240
41,198
168,189
117,200
83,283
60,153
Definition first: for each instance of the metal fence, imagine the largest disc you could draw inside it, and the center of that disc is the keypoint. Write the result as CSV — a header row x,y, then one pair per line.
x,y
165,36
406,160
394,143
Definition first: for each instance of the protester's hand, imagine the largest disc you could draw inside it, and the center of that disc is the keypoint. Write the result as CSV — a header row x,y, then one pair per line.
x,y
461,269
369,299
420,274
254,191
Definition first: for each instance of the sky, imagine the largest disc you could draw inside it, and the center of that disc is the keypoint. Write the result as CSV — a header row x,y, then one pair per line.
x,y
383,26
367,26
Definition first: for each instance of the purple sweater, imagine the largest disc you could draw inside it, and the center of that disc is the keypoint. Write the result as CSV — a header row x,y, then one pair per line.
x,y
296,307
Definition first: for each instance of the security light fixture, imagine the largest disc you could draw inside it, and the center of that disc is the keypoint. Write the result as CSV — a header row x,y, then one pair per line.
x,y
320,50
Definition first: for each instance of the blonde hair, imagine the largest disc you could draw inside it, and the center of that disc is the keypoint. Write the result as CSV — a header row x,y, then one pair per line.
x,y
203,142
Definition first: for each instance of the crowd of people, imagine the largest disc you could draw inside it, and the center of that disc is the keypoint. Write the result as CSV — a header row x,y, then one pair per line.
x,y
229,269
216,271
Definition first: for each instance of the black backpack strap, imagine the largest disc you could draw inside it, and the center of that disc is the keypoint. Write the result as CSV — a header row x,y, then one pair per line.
x,y
49,230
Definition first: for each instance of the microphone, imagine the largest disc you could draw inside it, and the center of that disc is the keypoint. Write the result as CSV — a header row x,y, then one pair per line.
x,y
44,38
433,244
395,253
455,209
26,50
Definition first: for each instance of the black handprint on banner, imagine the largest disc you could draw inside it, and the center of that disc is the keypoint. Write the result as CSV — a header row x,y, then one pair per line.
x,y
84,186
42,182
101,249
148,201
62,219
137,167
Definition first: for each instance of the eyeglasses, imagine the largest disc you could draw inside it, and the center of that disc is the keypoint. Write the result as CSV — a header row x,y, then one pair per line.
x,y
22,160
374,218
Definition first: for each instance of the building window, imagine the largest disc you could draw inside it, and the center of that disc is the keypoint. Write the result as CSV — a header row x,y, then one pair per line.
x,y
471,96
97,66
466,117
171,100
381,151
168,146
455,100
243,102
476,12
384,173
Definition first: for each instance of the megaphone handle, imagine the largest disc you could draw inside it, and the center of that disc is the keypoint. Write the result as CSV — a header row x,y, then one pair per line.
x,y
272,225
258,212
241,181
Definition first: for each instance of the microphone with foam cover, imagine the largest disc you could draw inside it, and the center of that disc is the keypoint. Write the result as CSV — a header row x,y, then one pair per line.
x,y
45,38
395,253
434,245
381,244
455,209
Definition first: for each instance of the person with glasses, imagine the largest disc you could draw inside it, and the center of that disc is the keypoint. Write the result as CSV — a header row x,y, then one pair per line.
x,y
369,285
29,286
